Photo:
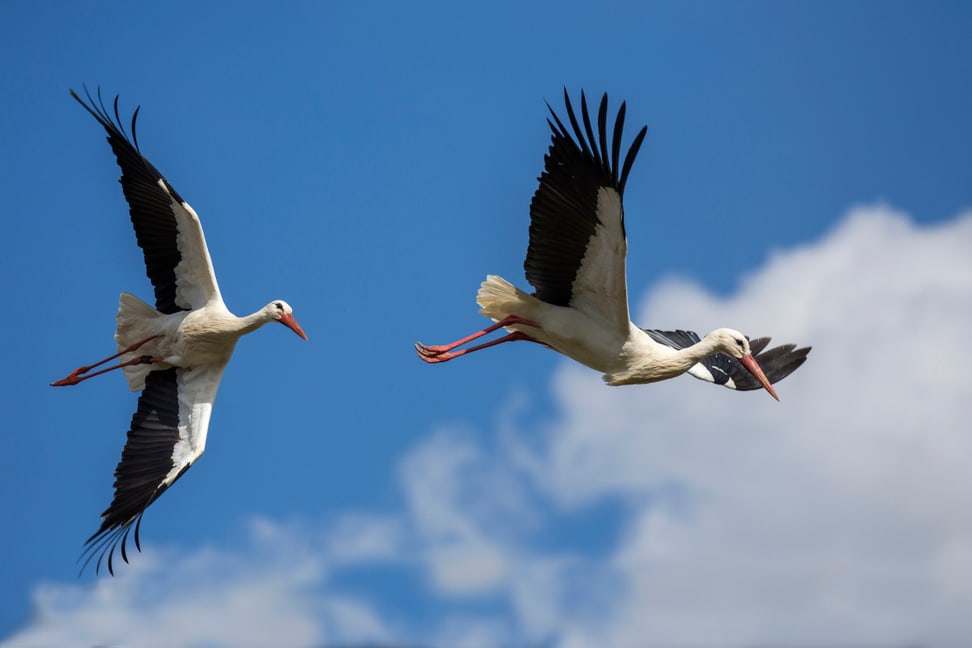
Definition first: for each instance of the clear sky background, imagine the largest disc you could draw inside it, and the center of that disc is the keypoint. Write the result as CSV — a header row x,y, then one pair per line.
x,y
807,174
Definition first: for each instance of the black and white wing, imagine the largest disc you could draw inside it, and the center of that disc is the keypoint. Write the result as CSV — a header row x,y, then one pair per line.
x,y
166,227
577,250
777,363
167,435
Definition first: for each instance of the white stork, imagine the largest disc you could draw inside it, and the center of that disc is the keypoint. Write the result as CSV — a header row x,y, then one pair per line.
x,y
576,263
174,353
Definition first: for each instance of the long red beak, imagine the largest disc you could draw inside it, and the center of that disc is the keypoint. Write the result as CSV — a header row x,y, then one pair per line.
x,y
289,321
750,363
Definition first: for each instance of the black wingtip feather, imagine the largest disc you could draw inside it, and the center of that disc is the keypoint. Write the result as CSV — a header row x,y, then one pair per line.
x,y
756,345
630,158
134,133
585,115
616,141
779,362
581,141
602,130
138,529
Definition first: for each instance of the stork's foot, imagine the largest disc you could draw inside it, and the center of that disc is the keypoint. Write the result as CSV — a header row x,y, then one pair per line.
x,y
431,350
72,378
435,354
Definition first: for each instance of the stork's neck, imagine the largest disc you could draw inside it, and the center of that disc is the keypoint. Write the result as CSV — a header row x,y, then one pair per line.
x,y
650,361
253,321
690,355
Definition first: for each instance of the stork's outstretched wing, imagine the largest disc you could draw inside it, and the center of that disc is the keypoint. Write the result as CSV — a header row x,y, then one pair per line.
x,y
166,227
167,435
577,250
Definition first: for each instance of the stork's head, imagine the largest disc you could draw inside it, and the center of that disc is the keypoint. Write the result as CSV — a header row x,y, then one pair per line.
x,y
281,311
736,345
732,343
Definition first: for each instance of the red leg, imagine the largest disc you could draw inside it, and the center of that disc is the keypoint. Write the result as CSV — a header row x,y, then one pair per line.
x,y
74,379
433,358
434,350
77,375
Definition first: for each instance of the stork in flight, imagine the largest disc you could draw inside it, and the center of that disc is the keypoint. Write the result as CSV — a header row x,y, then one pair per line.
x,y
174,353
576,263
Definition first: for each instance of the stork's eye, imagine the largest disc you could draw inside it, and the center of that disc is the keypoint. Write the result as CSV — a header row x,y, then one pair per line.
x,y
740,344
278,306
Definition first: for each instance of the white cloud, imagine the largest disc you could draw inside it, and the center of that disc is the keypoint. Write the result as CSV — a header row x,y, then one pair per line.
x,y
365,538
838,516
827,518
269,595
439,478
239,607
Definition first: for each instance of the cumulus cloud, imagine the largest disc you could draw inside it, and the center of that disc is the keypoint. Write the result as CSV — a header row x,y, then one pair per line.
x,y
838,516
268,595
828,518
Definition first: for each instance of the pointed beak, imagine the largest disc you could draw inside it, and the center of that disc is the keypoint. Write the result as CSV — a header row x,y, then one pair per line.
x,y
289,321
750,363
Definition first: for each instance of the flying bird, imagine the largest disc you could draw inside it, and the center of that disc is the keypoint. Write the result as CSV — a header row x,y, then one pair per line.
x,y
174,353
576,264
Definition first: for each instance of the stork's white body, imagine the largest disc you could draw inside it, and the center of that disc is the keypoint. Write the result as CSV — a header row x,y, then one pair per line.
x,y
626,355
205,336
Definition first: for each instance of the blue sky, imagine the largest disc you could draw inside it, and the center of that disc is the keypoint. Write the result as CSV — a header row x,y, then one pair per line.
x,y
806,175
